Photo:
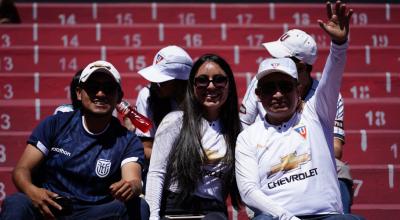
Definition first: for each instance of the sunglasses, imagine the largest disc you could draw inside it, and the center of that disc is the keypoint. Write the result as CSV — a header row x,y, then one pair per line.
x,y
271,88
218,81
107,88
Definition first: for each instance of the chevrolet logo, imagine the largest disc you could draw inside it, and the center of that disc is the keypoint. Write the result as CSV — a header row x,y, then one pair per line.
x,y
289,162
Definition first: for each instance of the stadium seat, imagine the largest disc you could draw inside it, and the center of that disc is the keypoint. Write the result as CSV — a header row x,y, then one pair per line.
x,y
376,113
189,13
138,35
371,146
376,184
6,185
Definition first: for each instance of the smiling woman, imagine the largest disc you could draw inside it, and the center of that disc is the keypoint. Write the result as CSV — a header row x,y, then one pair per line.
x,y
192,164
211,88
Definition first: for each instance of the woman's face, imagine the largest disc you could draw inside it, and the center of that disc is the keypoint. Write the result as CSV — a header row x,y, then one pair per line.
x,y
211,87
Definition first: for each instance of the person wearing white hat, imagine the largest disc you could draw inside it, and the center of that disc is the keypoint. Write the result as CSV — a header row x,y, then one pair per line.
x,y
285,167
168,77
89,164
302,48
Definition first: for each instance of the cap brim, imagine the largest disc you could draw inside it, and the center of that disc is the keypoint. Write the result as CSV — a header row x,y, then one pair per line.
x,y
276,49
151,73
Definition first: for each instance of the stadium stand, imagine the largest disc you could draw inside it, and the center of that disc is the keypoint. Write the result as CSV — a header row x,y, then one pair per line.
x,y
39,56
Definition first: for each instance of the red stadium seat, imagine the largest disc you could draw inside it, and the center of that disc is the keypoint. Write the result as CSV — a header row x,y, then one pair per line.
x,y
131,36
189,13
25,114
376,184
241,59
12,146
56,85
377,113
138,35
6,185
371,146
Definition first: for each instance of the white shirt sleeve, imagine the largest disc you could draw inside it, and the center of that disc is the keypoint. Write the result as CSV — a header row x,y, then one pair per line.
x,y
248,110
142,106
327,92
248,180
165,136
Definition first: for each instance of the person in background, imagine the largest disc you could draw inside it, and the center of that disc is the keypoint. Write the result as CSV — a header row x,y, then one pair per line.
x,y
302,49
89,164
294,142
8,12
75,103
168,79
192,165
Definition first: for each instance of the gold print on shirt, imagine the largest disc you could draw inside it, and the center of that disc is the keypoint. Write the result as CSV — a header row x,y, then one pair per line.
x,y
289,162
213,156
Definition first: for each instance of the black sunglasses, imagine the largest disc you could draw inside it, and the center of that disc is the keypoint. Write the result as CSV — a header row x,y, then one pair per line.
x,y
203,81
107,88
271,88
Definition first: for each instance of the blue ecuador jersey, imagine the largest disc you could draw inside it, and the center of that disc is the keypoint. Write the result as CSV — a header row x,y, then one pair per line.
x,y
81,165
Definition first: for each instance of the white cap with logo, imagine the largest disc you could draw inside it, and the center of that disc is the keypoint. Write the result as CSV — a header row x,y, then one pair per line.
x,y
100,66
171,62
273,65
294,43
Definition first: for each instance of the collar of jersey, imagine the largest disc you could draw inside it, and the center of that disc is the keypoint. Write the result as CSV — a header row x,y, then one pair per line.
x,y
91,133
285,125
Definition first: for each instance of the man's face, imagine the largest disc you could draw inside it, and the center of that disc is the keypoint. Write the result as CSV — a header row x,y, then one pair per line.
x,y
279,96
99,94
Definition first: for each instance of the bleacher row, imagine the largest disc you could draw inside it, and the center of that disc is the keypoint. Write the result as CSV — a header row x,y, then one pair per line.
x,y
39,57
139,35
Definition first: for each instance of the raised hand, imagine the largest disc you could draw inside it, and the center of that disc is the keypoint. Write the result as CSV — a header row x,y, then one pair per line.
x,y
337,26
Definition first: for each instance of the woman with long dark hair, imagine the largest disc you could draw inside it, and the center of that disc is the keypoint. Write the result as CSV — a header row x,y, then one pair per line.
x,y
192,165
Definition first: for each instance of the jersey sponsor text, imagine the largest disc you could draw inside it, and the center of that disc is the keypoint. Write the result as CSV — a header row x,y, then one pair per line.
x,y
293,178
61,151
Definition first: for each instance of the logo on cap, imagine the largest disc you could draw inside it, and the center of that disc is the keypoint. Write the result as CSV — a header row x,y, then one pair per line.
x,y
284,37
275,65
159,58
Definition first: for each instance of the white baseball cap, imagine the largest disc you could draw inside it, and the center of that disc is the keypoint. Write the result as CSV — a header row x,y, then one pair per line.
x,y
100,66
170,63
294,43
273,65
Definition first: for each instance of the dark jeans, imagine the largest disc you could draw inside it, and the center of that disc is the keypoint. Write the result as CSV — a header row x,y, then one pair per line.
x,y
345,187
315,217
210,208
19,206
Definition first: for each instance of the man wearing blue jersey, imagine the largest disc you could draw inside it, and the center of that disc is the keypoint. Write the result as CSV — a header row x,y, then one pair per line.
x,y
89,164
